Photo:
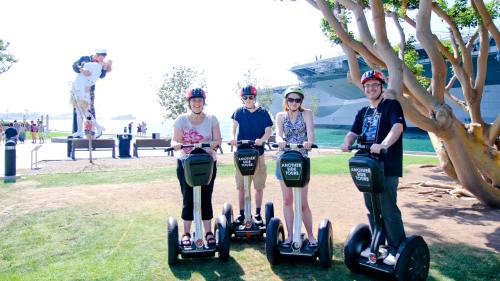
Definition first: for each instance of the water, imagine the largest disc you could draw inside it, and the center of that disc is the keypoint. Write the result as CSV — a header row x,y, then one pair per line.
x,y
325,137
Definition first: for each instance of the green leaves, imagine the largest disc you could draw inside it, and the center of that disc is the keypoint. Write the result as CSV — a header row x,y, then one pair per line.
x,y
7,60
175,85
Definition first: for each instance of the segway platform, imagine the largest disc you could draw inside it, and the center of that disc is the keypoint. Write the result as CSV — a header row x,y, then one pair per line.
x,y
412,257
295,169
245,160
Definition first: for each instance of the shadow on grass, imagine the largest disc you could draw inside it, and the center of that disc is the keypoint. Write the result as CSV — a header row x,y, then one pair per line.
x,y
494,239
208,268
448,262
477,214
463,262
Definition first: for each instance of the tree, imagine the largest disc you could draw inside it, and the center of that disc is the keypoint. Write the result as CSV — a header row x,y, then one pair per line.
x,y
175,85
466,151
7,60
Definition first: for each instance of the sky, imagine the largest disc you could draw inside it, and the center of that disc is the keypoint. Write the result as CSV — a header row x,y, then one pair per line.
x,y
145,39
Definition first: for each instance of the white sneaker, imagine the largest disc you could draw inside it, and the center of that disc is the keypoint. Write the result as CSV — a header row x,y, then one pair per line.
x,y
77,135
98,132
366,252
390,260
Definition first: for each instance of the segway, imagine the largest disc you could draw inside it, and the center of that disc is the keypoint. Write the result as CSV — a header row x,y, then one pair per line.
x,y
412,258
245,159
198,168
295,169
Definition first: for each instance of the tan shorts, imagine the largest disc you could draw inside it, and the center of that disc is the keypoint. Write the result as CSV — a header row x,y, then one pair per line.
x,y
259,178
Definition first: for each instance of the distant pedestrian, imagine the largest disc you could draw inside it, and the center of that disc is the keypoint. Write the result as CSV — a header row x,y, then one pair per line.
x,y
11,133
22,133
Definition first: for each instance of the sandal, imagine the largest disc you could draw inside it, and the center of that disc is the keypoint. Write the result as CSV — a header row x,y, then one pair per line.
x,y
313,244
186,240
286,244
211,242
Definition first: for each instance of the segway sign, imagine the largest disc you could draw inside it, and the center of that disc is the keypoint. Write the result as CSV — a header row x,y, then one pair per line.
x,y
362,176
291,171
247,161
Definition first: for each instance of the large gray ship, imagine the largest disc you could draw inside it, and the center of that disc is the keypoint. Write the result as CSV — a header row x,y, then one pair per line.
x,y
337,100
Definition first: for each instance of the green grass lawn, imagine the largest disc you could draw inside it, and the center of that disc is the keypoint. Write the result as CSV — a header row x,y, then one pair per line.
x,y
90,241
333,164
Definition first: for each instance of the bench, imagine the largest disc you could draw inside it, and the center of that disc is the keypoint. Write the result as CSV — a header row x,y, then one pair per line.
x,y
97,144
151,144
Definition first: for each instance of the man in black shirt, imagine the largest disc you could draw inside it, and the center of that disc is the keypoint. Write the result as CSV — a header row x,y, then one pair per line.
x,y
11,133
382,124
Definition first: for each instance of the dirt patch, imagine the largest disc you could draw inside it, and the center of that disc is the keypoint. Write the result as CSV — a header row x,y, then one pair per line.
x,y
434,214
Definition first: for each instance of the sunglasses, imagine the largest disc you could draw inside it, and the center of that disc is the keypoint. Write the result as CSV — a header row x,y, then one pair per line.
x,y
248,97
292,100
376,85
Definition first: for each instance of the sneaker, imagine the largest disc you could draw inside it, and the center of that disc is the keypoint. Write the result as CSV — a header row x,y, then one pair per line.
x,y
99,130
383,251
76,135
258,220
390,260
239,219
366,252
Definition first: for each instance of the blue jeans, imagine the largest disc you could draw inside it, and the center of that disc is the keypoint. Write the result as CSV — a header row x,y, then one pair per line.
x,y
393,229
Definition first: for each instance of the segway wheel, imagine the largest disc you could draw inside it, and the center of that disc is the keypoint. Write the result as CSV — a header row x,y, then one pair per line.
x,y
227,211
358,239
413,261
173,241
325,243
269,212
274,236
223,238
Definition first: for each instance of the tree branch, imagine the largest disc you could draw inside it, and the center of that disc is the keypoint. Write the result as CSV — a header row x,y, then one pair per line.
x,y
494,130
344,37
482,63
426,38
361,23
354,73
384,48
412,114
454,99
487,21
471,40
439,44
454,45
466,57
402,37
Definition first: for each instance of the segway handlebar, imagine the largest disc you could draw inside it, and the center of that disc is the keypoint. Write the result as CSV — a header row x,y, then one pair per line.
x,y
189,145
366,148
293,145
249,142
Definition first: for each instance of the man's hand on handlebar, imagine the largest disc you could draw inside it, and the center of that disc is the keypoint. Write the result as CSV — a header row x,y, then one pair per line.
x,y
177,146
345,147
234,142
376,148
259,142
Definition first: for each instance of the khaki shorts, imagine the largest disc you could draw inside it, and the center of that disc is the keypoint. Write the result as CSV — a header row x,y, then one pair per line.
x,y
259,178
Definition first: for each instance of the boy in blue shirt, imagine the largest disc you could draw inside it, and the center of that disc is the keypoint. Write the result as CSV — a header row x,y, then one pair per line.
x,y
251,122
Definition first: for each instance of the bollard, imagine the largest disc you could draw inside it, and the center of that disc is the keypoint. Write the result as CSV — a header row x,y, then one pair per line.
x,y
69,146
10,161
